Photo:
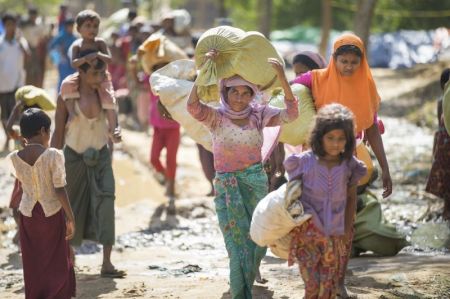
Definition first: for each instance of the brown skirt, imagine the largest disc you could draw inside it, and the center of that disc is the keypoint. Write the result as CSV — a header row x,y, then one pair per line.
x,y
47,270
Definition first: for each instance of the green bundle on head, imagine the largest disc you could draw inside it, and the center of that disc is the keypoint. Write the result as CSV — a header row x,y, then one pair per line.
x,y
239,53
35,96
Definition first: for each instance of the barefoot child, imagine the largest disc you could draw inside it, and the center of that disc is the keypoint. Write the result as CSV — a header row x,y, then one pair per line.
x,y
348,80
166,134
240,182
329,174
86,50
46,218
27,96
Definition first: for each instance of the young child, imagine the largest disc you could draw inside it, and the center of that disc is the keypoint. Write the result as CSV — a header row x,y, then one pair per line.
x,y
240,182
303,62
438,180
46,218
166,134
329,173
85,50
27,96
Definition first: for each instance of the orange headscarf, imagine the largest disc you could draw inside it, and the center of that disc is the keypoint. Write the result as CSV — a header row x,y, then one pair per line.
x,y
357,92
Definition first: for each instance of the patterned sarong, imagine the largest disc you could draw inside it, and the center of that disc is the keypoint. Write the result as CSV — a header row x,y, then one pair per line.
x,y
237,194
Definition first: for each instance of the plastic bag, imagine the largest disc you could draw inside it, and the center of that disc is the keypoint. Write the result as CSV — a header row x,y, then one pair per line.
x,y
173,84
271,220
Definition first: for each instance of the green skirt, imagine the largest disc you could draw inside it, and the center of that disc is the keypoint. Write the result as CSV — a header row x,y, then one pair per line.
x,y
90,188
237,194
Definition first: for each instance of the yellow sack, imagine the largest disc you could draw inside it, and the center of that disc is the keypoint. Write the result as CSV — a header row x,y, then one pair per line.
x,y
362,153
158,49
242,53
173,84
297,132
446,106
32,95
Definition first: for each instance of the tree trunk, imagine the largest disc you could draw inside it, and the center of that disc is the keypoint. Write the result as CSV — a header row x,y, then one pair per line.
x,y
327,22
265,16
363,19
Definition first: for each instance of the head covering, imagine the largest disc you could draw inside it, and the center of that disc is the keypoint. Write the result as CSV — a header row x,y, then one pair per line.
x,y
225,108
310,59
357,92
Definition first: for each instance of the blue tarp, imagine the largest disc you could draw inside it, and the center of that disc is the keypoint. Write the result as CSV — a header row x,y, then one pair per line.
x,y
400,49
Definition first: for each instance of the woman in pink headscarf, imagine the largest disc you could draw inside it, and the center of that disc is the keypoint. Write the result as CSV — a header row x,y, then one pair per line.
x,y
240,182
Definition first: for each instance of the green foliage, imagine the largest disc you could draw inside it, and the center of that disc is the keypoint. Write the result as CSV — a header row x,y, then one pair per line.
x,y
244,13
396,15
46,7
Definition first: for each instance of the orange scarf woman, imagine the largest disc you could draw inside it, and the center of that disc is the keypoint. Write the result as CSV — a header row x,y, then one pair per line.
x,y
347,80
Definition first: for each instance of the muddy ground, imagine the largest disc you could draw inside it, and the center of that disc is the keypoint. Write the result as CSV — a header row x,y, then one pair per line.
x,y
183,256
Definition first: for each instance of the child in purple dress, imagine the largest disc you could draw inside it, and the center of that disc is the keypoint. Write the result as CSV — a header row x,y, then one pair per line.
x,y
330,174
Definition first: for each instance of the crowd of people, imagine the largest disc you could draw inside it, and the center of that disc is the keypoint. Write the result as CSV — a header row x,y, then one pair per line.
x,y
68,196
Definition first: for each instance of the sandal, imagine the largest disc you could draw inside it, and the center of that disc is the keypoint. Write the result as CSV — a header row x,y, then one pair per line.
x,y
113,273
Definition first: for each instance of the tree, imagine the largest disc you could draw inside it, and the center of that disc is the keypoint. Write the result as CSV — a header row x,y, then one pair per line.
x,y
327,22
265,16
363,19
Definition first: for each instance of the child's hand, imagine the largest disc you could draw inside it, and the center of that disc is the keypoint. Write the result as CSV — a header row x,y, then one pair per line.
x,y
70,229
278,66
91,57
116,136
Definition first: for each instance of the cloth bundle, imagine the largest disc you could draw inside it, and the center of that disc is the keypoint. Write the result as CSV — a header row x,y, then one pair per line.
x,y
172,84
158,49
239,53
372,232
297,132
32,95
276,215
446,106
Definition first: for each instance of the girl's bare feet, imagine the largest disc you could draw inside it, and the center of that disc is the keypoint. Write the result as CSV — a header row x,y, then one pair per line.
x,y
344,293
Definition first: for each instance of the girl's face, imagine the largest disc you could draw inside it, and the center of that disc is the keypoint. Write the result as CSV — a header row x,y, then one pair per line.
x,y
347,63
89,29
334,142
239,97
300,69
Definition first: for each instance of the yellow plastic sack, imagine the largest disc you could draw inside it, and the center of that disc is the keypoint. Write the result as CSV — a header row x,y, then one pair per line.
x,y
297,132
446,106
32,95
242,53
158,49
173,84
362,153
